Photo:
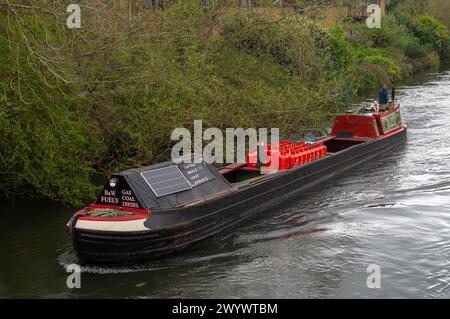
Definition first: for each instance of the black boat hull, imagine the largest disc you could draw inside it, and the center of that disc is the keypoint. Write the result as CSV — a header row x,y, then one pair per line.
x,y
174,230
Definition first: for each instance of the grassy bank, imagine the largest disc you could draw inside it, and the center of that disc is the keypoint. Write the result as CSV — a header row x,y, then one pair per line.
x,y
107,96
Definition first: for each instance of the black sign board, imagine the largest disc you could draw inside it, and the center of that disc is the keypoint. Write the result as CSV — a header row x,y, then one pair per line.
x,y
196,173
119,194
166,180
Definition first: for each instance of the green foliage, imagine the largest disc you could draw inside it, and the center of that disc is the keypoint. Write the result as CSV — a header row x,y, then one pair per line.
x,y
47,143
342,49
295,42
438,9
415,50
430,32
365,67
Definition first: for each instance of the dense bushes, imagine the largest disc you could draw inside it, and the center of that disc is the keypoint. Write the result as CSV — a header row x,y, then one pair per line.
x,y
433,32
47,143
107,97
295,43
405,44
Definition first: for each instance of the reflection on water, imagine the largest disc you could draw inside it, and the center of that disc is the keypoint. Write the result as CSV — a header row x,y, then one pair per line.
x,y
393,211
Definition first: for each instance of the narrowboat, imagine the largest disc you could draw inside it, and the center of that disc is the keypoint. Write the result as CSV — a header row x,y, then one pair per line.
x,y
154,211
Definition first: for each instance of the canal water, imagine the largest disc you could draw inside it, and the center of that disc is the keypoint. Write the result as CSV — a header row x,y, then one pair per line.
x,y
393,212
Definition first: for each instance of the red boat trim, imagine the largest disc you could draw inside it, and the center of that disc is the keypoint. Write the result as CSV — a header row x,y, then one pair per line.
x,y
129,209
137,213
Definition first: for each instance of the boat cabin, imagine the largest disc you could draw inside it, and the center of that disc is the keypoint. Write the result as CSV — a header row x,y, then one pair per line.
x,y
162,186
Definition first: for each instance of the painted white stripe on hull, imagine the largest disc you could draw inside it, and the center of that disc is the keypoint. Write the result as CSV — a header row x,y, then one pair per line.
x,y
118,226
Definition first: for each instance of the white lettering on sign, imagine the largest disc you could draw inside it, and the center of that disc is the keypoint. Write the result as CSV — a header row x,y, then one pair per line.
x,y
130,204
110,200
126,192
199,181
109,193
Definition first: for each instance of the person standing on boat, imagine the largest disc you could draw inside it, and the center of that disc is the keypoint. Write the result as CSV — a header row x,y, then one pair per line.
x,y
383,95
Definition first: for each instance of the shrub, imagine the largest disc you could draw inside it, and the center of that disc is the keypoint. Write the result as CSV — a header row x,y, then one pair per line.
x,y
413,49
341,48
430,32
434,32
294,42
48,144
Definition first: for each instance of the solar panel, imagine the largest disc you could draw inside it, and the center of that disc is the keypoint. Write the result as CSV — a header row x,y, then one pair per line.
x,y
166,180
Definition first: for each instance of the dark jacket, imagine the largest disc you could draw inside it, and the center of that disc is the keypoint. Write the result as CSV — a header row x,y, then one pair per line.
x,y
383,96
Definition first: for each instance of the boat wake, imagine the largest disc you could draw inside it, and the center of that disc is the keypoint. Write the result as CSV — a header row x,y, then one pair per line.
x,y
69,258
